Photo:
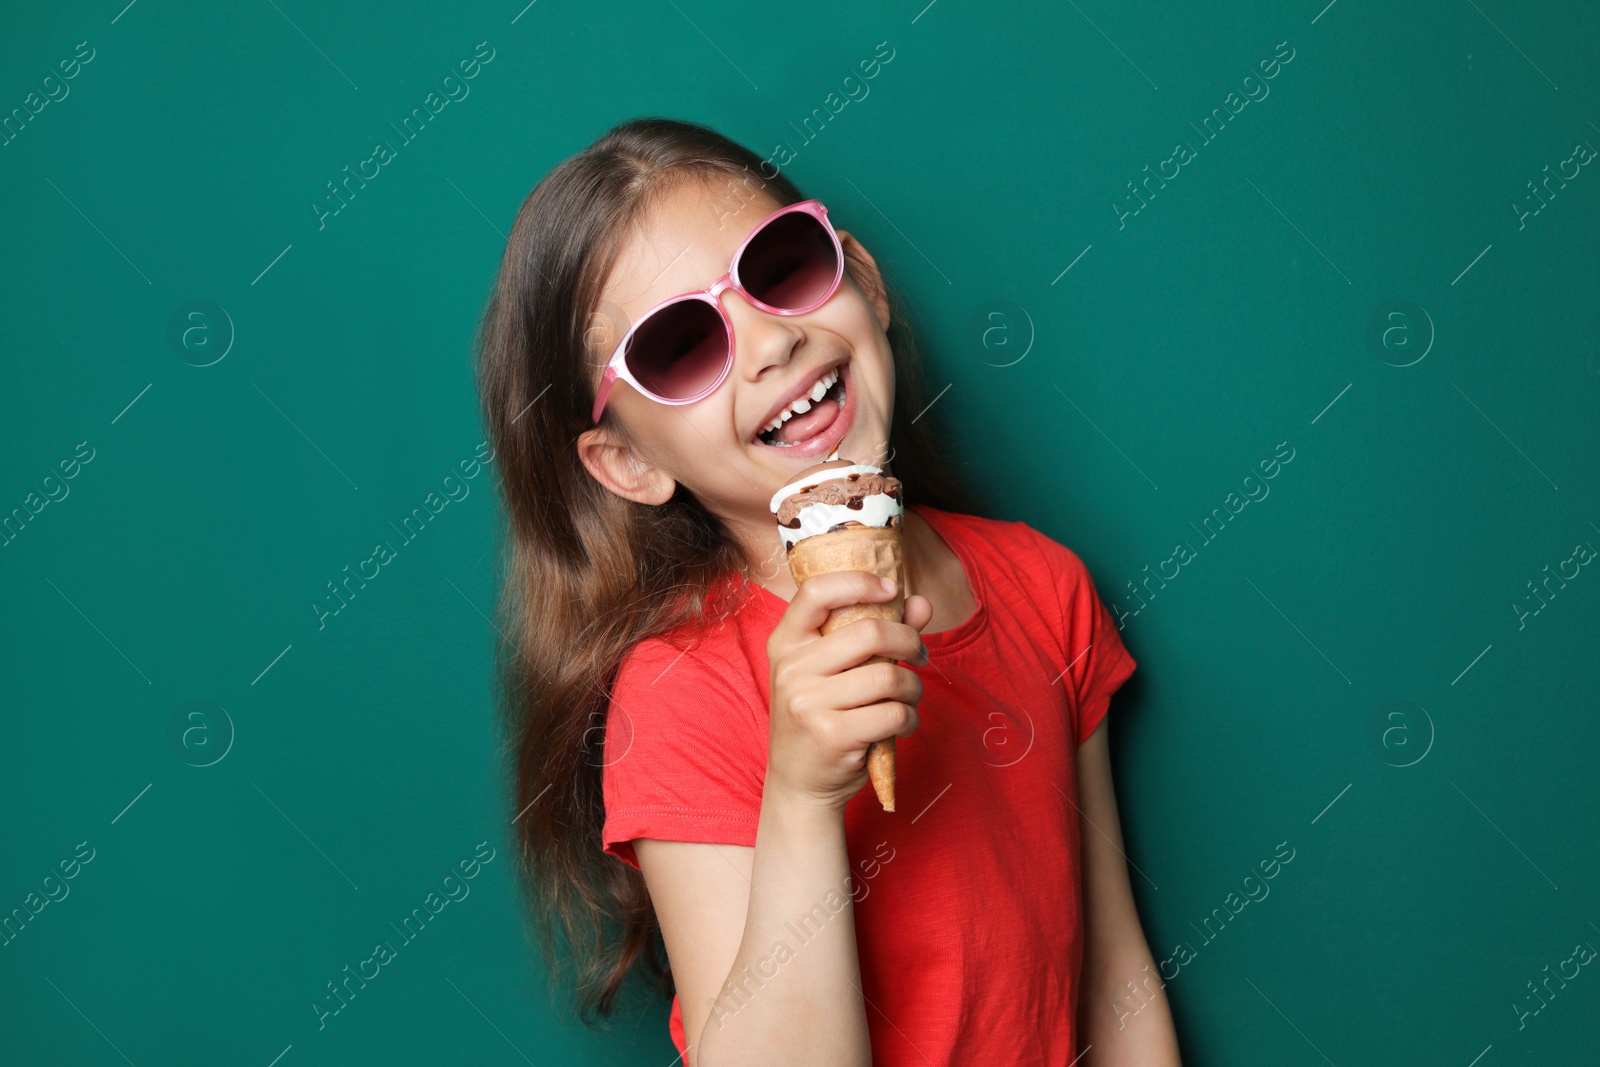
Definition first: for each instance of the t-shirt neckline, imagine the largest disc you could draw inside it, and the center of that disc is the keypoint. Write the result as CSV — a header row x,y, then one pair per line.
x,y
945,640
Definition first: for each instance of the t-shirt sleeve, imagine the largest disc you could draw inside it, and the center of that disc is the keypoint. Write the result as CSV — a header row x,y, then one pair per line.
x,y
684,752
1097,660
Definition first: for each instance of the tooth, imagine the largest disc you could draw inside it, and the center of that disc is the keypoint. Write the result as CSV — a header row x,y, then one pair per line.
x,y
818,390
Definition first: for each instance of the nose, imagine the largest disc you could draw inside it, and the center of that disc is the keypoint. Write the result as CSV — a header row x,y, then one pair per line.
x,y
760,339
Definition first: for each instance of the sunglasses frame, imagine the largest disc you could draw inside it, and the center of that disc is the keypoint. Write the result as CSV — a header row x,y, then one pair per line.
x,y
617,367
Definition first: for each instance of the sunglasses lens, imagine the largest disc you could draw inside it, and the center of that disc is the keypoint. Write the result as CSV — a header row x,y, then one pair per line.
x,y
680,350
791,263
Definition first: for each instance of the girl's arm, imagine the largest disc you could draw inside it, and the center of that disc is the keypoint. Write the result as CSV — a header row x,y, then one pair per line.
x,y
748,989
762,940
1123,1018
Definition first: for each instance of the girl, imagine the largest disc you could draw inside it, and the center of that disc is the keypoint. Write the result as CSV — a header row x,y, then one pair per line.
x,y
689,749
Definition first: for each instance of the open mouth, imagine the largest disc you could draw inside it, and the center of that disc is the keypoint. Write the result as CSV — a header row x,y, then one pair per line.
x,y
809,416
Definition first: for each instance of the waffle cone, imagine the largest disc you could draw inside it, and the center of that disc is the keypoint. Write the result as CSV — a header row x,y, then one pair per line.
x,y
876,550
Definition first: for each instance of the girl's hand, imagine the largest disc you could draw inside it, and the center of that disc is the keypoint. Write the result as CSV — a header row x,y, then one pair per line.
x,y
828,703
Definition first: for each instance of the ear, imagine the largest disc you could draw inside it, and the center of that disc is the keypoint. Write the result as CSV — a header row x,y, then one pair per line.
x,y
615,465
865,275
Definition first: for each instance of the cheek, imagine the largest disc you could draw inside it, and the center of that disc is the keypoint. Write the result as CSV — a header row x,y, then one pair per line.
x,y
872,374
688,441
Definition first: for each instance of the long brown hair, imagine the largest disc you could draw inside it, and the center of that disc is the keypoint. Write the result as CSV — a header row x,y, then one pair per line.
x,y
587,574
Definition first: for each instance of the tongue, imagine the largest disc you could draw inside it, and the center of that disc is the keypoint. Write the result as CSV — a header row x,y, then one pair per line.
x,y
813,422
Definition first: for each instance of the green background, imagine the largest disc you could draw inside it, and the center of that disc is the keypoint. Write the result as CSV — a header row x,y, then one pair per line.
x,y
1442,858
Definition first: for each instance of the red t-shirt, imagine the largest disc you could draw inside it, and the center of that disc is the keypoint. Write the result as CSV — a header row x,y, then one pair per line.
x,y
968,925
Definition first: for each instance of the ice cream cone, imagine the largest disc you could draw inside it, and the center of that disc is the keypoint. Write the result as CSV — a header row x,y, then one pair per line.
x,y
876,550
841,516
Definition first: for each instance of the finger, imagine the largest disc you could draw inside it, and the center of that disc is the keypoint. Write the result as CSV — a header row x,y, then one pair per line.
x,y
854,643
918,611
876,722
870,683
821,594
911,724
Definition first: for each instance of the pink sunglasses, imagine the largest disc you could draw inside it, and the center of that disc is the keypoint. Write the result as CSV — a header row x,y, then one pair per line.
x,y
680,350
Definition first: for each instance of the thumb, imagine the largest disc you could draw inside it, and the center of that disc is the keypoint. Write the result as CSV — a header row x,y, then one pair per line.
x,y
917,611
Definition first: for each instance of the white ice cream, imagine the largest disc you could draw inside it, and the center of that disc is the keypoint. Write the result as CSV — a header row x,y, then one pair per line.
x,y
876,509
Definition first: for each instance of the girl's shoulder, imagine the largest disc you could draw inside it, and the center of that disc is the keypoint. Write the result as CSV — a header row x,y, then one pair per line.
x,y
714,648
990,533
1044,586
1008,549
